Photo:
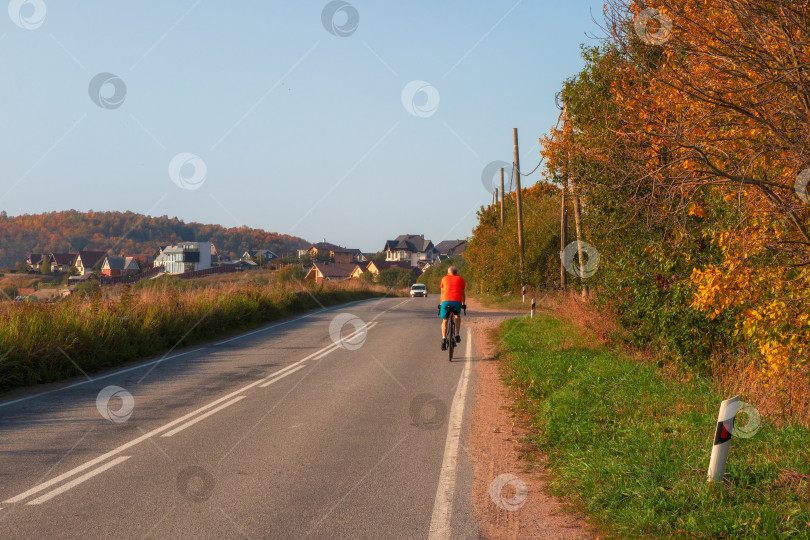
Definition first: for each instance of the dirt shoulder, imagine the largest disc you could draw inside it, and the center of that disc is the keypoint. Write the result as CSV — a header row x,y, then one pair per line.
x,y
510,493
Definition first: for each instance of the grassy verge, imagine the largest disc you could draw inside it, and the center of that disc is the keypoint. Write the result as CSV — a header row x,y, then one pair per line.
x,y
630,445
49,342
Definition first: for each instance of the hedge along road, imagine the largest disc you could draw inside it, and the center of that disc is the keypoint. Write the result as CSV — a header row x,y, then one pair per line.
x,y
347,422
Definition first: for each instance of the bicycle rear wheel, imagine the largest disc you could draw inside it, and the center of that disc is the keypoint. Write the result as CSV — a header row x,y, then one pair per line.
x,y
451,337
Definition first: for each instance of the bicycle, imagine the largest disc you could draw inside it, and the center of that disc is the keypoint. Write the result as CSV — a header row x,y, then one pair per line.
x,y
450,334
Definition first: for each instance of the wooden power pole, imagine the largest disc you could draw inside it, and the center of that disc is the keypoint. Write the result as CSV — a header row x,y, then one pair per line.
x,y
503,196
519,205
564,212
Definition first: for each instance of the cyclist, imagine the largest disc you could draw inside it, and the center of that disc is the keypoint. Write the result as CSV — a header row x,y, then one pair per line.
x,y
454,299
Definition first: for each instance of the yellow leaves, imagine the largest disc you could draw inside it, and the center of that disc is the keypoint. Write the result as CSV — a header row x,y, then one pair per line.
x,y
697,210
758,298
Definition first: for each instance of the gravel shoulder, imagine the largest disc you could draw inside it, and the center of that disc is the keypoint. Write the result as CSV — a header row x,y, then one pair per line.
x,y
496,447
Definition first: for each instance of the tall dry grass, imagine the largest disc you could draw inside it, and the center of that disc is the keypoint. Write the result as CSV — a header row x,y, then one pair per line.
x,y
47,342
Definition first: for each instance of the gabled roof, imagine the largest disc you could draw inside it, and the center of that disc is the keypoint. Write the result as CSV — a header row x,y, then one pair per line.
x,y
385,265
451,247
409,242
62,258
253,253
116,263
121,263
89,258
326,246
335,270
34,258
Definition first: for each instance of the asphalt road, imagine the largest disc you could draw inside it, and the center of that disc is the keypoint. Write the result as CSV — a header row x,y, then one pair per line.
x,y
345,423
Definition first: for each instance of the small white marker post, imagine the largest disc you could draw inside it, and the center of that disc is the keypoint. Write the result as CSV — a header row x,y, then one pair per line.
x,y
523,291
722,438
532,308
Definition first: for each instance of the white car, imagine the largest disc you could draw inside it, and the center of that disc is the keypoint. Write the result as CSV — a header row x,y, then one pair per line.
x,y
420,289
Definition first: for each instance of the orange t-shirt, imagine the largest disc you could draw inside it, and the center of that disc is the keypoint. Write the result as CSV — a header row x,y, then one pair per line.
x,y
453,288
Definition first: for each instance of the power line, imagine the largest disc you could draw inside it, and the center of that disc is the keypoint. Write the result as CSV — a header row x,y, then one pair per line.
x,y
538,166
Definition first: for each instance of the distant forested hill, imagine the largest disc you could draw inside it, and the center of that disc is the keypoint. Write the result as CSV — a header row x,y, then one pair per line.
x,y
124,233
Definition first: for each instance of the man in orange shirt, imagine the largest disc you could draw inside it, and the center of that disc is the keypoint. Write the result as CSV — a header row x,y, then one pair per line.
x,y
454,299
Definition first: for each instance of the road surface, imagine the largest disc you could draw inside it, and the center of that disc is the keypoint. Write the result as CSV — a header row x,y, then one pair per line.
x,y
343,423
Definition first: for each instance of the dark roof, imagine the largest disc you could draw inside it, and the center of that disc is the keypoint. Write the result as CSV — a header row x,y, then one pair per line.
x,y
63,258
409,242
116,263
90,258
385,265
451,247
257,252
34,258
336,270
326,246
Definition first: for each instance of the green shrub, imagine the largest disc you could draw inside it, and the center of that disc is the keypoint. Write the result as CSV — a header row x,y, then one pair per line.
x,y
395,278
291,274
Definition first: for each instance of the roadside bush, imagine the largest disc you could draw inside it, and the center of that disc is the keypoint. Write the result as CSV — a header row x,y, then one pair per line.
x,y
395,278
291,274
88,288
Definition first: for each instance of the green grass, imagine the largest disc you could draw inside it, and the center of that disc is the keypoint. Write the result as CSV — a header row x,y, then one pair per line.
x,y
630,447
512,302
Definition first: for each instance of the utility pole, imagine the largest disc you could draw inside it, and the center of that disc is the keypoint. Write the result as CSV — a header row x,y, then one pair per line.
x,y
519,205
577,220
503,196
564,210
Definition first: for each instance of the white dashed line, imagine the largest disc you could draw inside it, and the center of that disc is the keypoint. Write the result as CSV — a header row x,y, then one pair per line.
x,y
75,482
202,417
271,381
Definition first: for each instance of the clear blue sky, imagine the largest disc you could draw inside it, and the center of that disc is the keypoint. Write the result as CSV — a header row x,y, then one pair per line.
x,y
300,131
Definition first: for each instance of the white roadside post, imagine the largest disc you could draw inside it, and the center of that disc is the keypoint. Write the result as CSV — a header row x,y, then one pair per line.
x,y
533,308
523,291
722,438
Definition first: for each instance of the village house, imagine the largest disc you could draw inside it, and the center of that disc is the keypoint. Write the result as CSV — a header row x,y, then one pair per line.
x,y
185,257
263,255
410,248
217,258
86,261
330,272
451,248
338,254
375,267
34,260
119,266
61,262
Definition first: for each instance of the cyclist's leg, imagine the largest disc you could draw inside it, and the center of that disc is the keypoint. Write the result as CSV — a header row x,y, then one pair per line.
x,y
444,328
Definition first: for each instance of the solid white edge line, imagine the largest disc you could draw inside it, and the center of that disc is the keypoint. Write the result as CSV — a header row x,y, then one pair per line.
x,y
75,482
271,381
440,521
94,379
190,423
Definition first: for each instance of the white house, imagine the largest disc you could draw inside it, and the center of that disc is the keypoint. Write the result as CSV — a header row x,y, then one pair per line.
x,y
185,257
410,248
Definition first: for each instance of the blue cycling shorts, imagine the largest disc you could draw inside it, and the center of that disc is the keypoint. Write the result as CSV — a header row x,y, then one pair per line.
x,y
447,307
